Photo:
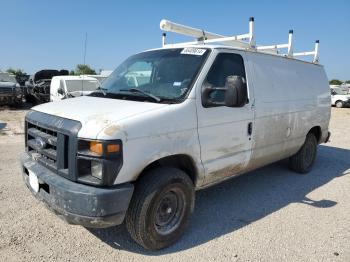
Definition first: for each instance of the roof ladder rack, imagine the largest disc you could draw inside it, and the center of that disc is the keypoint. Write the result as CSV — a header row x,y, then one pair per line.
x,y
315,53
246,41
205,37
289,45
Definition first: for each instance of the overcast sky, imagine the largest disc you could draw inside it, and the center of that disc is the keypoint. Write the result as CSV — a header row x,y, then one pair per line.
x,y
50,34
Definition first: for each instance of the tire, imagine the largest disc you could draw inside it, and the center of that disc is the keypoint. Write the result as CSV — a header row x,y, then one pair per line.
x,y
339,104
303,161
160,208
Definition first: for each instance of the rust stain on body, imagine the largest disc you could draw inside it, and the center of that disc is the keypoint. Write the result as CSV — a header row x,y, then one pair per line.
x,y
227,171
109,131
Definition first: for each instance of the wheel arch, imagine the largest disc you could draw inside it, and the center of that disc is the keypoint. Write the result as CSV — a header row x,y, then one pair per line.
x,y
316,130
181,161
341,101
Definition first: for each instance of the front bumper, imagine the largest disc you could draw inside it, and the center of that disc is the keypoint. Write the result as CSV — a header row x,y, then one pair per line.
x,y
76,203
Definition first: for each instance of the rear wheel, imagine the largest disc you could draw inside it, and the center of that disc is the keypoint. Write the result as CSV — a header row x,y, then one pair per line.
x,y
339,104
160,208
303,161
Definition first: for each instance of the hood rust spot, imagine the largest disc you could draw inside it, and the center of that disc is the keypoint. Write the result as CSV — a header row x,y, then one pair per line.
x,y
109,131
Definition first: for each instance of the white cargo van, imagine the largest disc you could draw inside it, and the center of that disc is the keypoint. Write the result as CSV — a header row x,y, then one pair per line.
x,y
63,87
195,114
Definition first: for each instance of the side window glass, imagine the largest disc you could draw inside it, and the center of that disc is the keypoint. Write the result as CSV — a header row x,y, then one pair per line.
x,y
225,64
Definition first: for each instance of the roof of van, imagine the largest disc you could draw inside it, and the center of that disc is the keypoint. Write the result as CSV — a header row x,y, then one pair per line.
x,y
220,46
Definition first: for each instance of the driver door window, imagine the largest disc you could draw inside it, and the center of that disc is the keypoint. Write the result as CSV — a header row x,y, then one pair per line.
x,y
225,64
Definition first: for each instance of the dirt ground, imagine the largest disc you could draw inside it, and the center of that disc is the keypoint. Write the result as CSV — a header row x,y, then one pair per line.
x,y
271,214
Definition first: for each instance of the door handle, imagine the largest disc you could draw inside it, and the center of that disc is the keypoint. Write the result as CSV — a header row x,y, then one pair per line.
x,y
250,128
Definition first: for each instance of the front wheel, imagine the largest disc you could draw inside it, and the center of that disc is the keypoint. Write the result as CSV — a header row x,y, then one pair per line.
x,y
160,208
303,161
339,104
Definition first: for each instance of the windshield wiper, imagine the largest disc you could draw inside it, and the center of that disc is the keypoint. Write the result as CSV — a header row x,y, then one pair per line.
x,y
102,90
136,90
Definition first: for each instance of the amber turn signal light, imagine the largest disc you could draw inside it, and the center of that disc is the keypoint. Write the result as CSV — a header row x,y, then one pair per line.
x,y
96,147
113,148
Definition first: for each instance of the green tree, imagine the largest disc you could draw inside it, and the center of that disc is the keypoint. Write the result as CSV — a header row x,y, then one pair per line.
x,y
335,82
16,72
83,70
347,81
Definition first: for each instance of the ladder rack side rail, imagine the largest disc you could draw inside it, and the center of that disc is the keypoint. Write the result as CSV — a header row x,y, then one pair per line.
x,y
169,26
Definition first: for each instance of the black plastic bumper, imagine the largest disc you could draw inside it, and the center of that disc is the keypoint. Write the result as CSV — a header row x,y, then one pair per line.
x,y
77,203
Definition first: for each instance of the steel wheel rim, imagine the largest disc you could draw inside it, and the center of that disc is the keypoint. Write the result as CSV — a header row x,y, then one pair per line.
x,y
169,211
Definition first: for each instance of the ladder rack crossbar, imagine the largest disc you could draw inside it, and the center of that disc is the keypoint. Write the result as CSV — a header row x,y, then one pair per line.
x,y
304,53
269,47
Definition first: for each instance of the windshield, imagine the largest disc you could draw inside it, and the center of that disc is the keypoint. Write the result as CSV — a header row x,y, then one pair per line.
x,y
339,91
5,77
81,85
160,75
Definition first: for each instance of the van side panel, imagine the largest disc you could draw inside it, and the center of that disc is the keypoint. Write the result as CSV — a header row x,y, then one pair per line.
x,y
291,97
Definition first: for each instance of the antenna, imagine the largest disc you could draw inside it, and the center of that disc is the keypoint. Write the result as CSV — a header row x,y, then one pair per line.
x,y
85,45
245,41
84,62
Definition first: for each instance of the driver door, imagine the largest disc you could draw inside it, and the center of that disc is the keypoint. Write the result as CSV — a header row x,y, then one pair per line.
x,y
225,133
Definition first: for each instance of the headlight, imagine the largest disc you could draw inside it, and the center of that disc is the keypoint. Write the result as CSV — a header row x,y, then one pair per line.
x,y
99,161
96,169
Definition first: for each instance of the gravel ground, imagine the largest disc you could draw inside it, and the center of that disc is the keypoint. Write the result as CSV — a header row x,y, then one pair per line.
x,y
271,214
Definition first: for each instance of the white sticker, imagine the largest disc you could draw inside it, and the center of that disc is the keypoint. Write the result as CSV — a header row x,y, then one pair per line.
x,y
33,181
193,51
177,84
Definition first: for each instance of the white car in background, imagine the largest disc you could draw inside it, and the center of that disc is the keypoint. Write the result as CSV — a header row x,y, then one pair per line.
x,y
63,87
340,97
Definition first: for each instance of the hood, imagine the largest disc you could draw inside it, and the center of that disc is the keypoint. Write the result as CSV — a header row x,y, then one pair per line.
x,y
7,85
48,74
96,113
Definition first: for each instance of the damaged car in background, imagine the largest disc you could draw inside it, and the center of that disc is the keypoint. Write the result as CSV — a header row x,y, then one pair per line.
x,y
37,88
10,90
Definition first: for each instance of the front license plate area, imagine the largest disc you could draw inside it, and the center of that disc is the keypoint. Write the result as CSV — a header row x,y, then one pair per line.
x,y
33,181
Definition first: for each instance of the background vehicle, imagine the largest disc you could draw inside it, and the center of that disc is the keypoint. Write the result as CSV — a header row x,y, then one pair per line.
x,y
10,90
63,87
38,86
170,121
340,97
102,76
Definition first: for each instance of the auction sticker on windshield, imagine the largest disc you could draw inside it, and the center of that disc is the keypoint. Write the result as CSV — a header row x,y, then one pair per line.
x,y
193,51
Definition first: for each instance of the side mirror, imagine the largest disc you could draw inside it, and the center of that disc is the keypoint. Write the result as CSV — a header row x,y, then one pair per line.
x,y
60,91
234,93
